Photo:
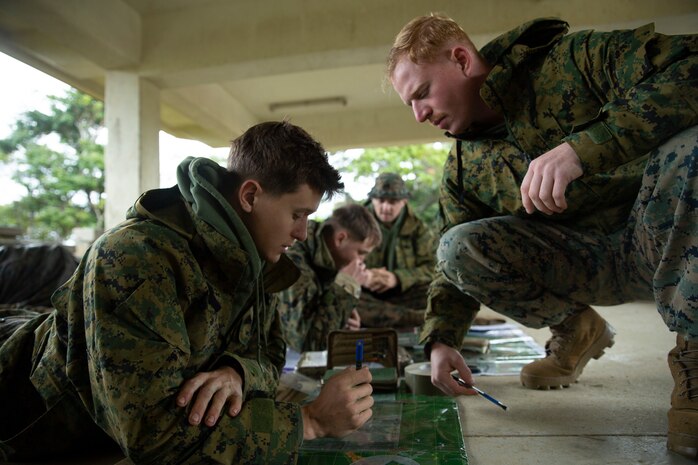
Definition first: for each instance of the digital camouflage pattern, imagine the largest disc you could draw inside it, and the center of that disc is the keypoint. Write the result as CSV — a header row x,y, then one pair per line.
x,y
663,229
154,301
321,300
615,97
415,260
394,310
389,186
414,252
563,270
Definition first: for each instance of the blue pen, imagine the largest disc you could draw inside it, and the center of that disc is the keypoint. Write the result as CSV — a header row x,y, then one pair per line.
x,y
359,353
479,391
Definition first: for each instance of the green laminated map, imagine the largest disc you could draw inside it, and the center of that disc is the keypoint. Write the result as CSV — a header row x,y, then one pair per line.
x,y
405,430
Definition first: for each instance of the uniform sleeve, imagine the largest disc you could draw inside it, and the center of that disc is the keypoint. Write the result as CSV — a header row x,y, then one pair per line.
x,y
310,311
492,172
648,84
139,354
450,313
261,364
423,248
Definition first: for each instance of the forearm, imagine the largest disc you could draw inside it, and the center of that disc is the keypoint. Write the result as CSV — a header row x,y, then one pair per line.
x,y
651,93
449,314
259,375
264,431
630,129
139,410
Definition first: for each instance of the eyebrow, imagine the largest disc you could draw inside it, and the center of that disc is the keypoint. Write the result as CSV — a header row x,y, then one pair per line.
x,y
415,93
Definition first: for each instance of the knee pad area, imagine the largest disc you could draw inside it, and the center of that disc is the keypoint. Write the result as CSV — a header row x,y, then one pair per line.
x,y
461,257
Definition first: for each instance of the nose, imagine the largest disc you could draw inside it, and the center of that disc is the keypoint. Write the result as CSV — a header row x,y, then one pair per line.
x,y
300,232
421,111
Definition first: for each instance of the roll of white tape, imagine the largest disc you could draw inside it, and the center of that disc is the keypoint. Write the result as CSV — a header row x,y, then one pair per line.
x,y
418,379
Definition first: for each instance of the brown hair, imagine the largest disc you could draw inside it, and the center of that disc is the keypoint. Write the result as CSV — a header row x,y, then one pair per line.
x,y
358,221
422,39
282,157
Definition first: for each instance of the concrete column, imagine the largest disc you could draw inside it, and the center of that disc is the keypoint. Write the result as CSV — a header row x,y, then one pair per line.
x,y
132,159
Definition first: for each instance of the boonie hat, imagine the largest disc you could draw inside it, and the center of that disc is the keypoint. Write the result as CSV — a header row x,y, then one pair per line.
x,y
389,186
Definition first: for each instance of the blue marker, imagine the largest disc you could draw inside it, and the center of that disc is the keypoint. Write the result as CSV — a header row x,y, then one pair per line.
x,y
479,391
359,353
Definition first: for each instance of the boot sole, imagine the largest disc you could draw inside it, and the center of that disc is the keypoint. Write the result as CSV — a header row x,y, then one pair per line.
x,y
595,351
683,445
682,437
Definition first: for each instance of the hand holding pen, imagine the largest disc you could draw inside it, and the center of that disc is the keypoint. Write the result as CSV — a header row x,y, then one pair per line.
x,y
343,405
445,360
479,391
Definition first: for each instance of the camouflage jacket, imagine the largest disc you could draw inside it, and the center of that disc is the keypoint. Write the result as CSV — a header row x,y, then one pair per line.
x,y
321,300
157,299
415,252
613,96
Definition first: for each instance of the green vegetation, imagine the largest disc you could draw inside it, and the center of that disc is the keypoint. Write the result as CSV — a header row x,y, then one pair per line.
x,y
57,159
421,166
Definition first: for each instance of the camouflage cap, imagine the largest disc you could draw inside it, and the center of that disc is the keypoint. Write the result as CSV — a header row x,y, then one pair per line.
x,y
389,186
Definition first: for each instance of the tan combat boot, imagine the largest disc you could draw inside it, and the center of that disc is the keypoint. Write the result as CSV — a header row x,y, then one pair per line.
x,y
575,341
683,415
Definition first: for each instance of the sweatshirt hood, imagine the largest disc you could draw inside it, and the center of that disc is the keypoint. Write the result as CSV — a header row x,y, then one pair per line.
x,y
199,181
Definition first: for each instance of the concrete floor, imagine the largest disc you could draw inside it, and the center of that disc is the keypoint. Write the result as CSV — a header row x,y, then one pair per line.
x,y
615,414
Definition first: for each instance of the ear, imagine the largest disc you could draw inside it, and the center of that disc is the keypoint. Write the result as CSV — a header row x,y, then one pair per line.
x,y
461,56
248,193
339,237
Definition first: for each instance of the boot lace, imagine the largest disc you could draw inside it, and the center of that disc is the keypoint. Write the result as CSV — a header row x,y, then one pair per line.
x,y
557,342
688,360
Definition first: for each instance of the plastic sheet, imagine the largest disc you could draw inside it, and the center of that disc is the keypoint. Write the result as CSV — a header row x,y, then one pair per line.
x,y
30,273
405,429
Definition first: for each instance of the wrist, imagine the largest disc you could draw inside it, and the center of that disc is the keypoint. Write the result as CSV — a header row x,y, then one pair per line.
x,y
310,426
435,342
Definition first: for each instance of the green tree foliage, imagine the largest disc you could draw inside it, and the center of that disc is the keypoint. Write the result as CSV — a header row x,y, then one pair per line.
x,y
57,159
421,166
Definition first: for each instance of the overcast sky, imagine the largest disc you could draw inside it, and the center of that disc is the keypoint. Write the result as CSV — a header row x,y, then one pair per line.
x,y
24,88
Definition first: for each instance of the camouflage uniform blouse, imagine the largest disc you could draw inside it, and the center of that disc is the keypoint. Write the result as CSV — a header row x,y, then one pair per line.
x,y
613,96
156,300
414,253
321,300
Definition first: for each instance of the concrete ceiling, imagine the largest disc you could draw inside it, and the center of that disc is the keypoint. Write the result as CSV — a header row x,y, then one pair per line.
x,y
224,65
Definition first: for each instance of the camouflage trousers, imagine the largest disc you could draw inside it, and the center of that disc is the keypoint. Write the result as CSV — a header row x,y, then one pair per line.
x,y
539,272
393,309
